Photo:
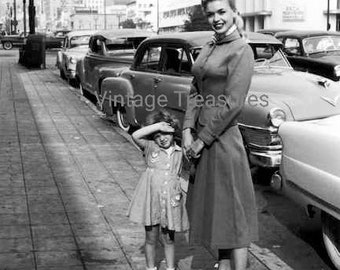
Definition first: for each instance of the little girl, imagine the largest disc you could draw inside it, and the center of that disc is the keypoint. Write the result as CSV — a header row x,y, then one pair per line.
x,y
158,201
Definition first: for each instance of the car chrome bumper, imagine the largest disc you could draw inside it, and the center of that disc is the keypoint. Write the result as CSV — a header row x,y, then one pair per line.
x,y
71,74
269,159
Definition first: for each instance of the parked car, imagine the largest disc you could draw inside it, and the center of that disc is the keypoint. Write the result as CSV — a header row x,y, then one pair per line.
x,y
51,40
316,52
10,41
271,31
160,76
310,174
107,51
74,48
55,39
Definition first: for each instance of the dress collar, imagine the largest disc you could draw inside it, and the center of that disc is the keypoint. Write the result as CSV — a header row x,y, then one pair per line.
x,y
231,35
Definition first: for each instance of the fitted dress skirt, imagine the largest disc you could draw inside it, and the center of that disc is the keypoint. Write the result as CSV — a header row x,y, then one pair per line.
x,y
221,201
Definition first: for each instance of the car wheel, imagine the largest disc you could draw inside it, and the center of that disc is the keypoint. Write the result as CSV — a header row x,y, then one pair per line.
x,y
7,45
331,237
122,120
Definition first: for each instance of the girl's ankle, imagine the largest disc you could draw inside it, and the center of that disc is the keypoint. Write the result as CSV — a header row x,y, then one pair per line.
x,y
173,268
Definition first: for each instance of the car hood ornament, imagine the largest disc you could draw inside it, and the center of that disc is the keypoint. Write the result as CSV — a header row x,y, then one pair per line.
x,y
323,82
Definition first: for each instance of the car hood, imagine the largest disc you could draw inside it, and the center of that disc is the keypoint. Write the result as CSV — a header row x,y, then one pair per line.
x,y
328,58
305,95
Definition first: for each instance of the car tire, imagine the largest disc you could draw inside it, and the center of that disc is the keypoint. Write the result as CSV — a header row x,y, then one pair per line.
x,y
330,234
7,45
122,121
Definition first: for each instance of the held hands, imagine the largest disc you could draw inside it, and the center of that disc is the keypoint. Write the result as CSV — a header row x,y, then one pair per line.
x,y
191,148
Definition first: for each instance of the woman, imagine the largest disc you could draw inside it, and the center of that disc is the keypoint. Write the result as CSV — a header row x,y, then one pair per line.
x,y
221,202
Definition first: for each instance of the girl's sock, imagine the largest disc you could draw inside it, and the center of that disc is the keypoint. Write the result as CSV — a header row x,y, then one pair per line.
x,y
153,268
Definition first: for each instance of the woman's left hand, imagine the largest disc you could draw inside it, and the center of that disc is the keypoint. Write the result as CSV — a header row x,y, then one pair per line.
x,y
195,148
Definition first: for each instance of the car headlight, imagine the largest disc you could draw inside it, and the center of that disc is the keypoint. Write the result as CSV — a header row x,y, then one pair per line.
x,y
277,117
337,70
73,60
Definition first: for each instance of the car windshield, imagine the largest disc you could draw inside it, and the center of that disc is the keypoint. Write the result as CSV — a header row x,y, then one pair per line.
x,y
79,41
321,44
276,59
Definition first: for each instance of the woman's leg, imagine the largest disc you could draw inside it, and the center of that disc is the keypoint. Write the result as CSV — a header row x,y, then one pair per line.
x,y
223,259
168,239
239,257
151,238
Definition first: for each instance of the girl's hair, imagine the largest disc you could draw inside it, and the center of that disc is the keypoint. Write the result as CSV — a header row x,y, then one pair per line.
x,y
231,4
163,116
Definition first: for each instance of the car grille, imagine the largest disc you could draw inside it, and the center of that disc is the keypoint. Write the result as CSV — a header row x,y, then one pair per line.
x,y
261,139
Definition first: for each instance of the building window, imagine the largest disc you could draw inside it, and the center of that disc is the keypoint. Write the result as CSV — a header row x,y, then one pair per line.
x,y
338,4
337,22
181,11
261,22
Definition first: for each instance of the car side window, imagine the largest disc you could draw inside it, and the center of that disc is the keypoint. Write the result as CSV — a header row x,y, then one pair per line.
x,y
150,59
292,47
175,61
96,46
264,51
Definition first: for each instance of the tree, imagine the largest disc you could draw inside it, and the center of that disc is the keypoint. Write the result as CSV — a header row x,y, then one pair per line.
x,y
128,24
197,21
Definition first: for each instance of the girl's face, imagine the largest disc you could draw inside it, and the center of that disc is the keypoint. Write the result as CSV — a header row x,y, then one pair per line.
x,y
164,139
220,15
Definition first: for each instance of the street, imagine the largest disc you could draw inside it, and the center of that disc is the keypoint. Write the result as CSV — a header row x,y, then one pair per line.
x,y
287,235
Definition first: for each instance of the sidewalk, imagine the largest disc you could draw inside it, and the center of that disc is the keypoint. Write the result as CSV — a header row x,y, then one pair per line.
x,y
66,178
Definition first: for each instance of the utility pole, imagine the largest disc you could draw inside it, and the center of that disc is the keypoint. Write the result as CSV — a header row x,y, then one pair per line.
x,y
105,14
157,16
328,24
24,7
15,16
31,16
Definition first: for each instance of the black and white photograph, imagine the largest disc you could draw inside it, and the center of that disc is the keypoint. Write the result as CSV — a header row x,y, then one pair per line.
x,y
169,135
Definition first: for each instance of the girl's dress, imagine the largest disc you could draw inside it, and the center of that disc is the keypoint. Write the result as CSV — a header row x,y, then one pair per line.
x,y
158,198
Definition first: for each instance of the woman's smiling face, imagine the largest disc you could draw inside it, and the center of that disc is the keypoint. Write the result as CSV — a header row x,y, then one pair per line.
x,y
220,15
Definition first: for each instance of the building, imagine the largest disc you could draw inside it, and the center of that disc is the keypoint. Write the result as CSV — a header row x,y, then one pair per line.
x,y
173,14
290,14
143,13
85,18
257,14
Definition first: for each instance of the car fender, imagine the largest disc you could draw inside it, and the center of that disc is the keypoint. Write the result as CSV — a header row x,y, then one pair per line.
x,y
59,56
119,91
310,163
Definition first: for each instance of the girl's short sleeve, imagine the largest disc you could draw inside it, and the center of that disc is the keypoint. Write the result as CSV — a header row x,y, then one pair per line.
x,y
148,147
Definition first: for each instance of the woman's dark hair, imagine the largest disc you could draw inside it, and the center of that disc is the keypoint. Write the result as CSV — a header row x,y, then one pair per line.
x,y
231,3
162,116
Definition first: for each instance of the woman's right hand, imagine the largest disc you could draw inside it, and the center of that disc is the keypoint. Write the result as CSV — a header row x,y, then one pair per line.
x,y
187,140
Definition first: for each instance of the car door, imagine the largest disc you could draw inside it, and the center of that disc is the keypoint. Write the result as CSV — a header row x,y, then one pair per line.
x,y
173,83
295,53
93,58
143,75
